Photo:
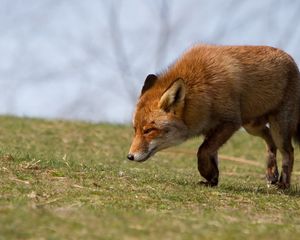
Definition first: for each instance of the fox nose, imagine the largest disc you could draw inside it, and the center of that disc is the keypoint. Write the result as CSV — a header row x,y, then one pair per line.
x,y
130,157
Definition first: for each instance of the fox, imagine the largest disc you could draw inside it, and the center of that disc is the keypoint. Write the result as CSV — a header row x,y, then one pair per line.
x,y
213,91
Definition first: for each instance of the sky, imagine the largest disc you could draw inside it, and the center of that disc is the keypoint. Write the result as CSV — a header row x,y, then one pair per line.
x,y
87,60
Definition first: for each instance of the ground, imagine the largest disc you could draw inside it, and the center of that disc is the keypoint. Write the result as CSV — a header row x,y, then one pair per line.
x,y
71,180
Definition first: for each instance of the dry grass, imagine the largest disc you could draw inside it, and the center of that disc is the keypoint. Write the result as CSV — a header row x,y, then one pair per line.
x,y
70,180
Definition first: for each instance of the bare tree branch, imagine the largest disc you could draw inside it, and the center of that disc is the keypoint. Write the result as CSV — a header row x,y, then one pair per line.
x,y
164,33
121,57
289,32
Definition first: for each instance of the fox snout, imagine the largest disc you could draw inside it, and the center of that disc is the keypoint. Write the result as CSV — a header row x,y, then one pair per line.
x,y
138,157
140,154
130,157
143,147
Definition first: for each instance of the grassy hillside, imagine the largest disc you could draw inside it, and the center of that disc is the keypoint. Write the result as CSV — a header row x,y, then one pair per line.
x,y
70,180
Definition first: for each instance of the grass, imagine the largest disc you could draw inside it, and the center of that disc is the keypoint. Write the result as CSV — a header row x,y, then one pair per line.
x,y
70,180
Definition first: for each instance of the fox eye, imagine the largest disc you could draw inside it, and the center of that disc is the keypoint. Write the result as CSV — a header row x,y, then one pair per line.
x,y
148,130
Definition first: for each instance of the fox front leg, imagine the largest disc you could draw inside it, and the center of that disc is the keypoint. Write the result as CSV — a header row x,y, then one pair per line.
x,y
207,153
208,168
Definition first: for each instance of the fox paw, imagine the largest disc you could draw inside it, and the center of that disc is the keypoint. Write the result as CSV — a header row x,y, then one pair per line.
x,y
282,185
208,183
272,178
272,181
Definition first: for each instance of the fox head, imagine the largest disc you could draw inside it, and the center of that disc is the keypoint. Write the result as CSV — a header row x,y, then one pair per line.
x,y
158,119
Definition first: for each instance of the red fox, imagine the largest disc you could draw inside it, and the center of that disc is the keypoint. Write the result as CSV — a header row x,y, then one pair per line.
x,y
213,91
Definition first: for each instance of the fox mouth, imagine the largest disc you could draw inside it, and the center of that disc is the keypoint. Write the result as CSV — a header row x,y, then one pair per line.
x,y
149,154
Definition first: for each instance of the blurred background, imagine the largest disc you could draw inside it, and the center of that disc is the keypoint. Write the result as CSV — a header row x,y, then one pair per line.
x,y
88,59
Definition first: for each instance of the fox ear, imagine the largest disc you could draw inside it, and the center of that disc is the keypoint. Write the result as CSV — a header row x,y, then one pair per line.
x,y
149,82
173,97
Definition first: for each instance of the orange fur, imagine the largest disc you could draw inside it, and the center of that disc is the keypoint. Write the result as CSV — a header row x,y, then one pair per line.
x,y
213,91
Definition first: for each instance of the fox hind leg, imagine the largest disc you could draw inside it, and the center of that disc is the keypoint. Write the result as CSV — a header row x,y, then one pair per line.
x,y
282,135
258,128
